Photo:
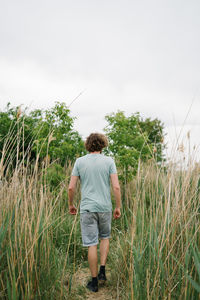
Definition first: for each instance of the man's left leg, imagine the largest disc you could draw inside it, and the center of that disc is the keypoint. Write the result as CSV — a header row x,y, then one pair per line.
x,y
93,260
89,231
93,264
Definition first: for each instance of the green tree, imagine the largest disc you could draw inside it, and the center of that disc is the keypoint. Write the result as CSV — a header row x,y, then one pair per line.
x,y
49,134
6,118
55,135
155,132
132,139
15,134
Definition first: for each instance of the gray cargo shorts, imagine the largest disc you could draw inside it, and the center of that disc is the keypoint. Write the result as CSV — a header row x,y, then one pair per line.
x,y
95,226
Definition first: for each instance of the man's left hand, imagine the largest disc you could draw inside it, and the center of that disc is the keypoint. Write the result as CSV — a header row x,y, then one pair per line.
x,y
72,210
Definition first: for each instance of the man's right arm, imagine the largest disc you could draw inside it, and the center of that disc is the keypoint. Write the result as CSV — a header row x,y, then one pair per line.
x,y
117,194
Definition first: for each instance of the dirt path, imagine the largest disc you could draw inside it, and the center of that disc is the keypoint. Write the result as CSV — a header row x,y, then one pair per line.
x,y
79,290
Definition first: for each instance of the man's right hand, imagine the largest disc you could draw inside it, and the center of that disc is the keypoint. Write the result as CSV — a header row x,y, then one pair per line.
x,y
117,213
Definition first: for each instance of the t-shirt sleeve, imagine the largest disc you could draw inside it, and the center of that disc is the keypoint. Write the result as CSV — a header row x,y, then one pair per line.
x,y
113,169
75,171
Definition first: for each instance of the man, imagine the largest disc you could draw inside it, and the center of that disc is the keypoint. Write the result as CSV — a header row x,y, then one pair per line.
x,y
95,172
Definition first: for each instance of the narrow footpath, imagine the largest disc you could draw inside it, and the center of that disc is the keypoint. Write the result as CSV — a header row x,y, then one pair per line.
x,y
79,290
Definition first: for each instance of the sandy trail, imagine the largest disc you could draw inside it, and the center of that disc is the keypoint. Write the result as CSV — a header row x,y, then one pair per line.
x,y
80,279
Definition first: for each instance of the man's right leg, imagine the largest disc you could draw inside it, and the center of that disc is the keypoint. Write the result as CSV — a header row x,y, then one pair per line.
x,y
104,248
104,234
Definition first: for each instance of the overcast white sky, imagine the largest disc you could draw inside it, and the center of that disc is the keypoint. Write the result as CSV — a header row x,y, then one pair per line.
x,y
123,54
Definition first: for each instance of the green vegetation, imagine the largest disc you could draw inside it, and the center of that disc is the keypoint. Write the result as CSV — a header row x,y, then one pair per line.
x,y
133,139
154,251
39,135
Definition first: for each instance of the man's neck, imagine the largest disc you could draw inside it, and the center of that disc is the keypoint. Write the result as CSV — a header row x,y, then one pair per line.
x,y
95,152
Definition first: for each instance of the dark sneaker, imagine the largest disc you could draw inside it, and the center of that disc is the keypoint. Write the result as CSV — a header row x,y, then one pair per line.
x,y
92,287
102,277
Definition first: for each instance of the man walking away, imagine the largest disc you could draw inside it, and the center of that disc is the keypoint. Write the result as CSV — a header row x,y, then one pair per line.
x,y
95,172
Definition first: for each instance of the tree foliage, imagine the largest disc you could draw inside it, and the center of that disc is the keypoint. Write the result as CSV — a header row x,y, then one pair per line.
x,y
155,133
55,135
46,134
132,139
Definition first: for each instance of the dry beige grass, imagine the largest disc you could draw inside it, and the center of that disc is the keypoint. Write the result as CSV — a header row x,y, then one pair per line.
x,y
79,291
152,251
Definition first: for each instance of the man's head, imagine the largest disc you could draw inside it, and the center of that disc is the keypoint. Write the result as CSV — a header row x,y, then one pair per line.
x,y
96,142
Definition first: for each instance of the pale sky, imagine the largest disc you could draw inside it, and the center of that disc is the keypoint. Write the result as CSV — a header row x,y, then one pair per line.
x,y
123,55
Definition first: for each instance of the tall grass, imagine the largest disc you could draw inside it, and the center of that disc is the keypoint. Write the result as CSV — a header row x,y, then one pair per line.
x,y
158,256
39,241
154,253
34,240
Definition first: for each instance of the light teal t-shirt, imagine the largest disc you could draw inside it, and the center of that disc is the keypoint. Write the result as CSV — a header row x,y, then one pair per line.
x,y
94,172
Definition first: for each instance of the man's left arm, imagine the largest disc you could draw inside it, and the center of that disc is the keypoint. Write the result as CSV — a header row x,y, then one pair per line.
x,y
71,192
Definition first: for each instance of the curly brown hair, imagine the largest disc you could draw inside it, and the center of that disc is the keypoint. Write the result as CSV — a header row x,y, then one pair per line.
x,y
96,142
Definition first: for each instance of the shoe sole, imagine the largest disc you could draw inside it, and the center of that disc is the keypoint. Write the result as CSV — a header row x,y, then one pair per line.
x,y
101,281
92,290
